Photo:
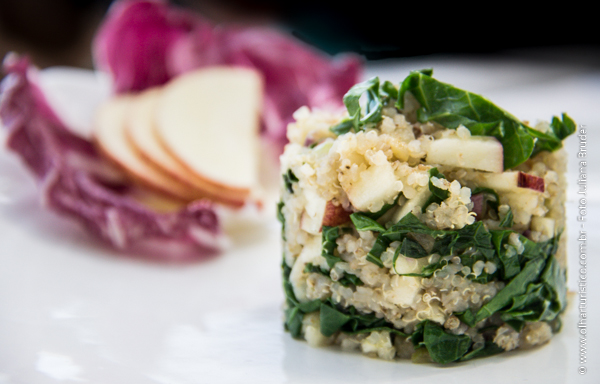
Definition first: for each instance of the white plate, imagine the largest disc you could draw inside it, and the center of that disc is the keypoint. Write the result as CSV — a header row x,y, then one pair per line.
x,y
72,310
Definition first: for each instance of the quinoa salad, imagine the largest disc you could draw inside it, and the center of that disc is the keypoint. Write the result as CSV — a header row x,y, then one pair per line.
x,y
424,223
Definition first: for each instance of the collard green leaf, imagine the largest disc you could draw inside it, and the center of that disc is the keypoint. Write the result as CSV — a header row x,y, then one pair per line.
x,y
451,107
295,310
552,140
388,89
517,286
555,280
442,194
344,126
347,280
351,321
332,320
437,194
411,248
329,237
293,321
281,218
373,106
507,221
364,223
444,347
289,179
488,349
374,255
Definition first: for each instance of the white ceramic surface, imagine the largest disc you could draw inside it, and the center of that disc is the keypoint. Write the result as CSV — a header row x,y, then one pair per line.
x,y
72,310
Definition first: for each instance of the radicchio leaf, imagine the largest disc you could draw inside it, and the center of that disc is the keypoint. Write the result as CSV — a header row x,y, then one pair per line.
x,y
145,43
76,182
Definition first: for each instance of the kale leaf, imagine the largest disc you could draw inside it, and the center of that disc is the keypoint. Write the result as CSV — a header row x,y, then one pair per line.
x,y
289,179
351,321
295,310
329,237
348,280
451,107
442,347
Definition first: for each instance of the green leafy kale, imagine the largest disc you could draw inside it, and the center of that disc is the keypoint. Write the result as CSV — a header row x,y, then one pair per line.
x,y
442,347
536,290
451,107
295,310
488,349
329,237
363,222
507,221
437,194
348,280
376,97
288,179
536,285
349,320
281,218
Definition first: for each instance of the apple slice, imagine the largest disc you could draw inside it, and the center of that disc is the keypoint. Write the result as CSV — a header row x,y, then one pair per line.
x,y
483,153
335,215
109,134
417,201
510,181
140,131
208,120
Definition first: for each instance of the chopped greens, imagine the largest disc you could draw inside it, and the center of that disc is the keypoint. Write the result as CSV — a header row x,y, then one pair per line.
x,y
452,107
329,237
295,310
536,285
488,349
350,320
281,218
507,221
288,179
363,222
376,97
373,106
347,280
437,194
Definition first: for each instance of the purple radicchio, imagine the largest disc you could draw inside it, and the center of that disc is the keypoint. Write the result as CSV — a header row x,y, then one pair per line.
x,y
76,182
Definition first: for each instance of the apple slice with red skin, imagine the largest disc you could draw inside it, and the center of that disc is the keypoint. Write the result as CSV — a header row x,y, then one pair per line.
x,y
526,180
335,215
510,181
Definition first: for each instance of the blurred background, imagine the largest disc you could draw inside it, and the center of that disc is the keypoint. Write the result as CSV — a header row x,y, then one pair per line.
x,y
59,32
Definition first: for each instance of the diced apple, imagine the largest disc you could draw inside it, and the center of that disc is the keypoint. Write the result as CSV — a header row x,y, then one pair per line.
x,y
524,203
544,225
529,181
404,265
478,152
314,212
376,184
311,253
208,120
510,181
335,215
405,290
417,201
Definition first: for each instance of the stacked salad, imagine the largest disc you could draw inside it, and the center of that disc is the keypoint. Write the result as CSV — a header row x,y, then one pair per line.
x,y
424,222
